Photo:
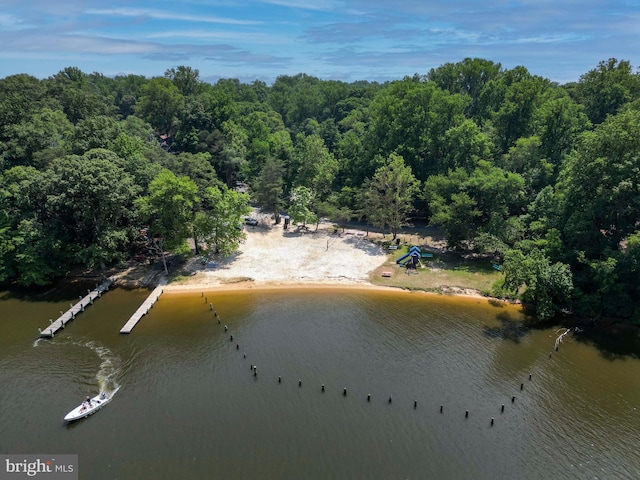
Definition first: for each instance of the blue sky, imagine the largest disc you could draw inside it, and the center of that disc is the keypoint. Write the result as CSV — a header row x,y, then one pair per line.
x,y
332,39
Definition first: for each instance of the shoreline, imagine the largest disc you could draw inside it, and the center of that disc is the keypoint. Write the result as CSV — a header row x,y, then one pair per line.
x,y
271,258
250,285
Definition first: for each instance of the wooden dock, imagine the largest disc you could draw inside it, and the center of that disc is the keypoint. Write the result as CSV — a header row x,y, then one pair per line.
x,y
145,307
79,307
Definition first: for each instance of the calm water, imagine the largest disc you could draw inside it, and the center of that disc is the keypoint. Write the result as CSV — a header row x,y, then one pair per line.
x,y
190,408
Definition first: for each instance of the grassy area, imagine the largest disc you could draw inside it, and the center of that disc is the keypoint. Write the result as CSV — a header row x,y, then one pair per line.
x,y
441,273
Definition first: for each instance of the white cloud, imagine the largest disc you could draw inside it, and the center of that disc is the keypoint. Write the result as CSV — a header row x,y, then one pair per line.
x,y
9,22
322,5
242,37
163,15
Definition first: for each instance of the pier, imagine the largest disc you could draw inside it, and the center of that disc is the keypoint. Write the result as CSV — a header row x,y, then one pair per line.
x,y
145,307
79,307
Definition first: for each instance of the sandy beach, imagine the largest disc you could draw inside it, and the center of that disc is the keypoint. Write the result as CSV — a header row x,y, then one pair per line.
x,y
273,257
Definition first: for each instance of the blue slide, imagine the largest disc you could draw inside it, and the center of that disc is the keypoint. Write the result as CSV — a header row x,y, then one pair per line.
x,y
412,250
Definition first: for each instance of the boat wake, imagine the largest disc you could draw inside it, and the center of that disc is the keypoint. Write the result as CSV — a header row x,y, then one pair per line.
x,y
110,367
109,370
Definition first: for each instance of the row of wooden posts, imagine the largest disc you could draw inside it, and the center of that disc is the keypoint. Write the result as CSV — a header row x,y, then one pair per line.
x,y
254,370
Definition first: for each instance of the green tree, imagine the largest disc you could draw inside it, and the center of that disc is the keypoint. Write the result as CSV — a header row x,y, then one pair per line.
x,y
20,97
557,123
467,77
44,129
131,154
196,167
27,253
232,159
456,214
411,118
300,206
186,79
316,166
160,104
485,199
465,145
526,158
34,262
514,118
265,137
606,88
169,208
95,132
217,224
599,186
267,188
78,94
629,272
545,285
354,166
126,90
86,207
78,211
390,194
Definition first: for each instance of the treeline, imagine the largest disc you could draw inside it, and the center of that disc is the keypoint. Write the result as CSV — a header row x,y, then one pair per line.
x,y
544,177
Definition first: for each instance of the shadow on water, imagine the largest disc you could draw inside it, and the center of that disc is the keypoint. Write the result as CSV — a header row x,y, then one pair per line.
x,y
614,341
510,328
62,290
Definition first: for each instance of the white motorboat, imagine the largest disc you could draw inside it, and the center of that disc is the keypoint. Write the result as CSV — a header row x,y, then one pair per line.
x,y
90,406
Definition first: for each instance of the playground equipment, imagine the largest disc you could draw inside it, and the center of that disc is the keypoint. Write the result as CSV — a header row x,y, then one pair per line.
x,y
412,257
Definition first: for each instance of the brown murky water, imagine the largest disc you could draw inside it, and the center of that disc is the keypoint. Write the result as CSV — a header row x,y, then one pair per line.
x,y
190,407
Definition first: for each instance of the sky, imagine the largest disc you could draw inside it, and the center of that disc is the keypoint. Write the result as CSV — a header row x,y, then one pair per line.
x,y
348,40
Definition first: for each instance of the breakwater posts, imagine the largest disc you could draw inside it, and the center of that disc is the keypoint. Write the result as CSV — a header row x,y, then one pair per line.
x,y
74,310
254,371
145,307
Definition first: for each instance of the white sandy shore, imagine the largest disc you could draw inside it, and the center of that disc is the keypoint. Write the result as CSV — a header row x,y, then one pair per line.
x,y
272,256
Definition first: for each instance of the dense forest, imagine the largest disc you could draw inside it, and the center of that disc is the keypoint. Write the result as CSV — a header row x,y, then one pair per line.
x,y
543,177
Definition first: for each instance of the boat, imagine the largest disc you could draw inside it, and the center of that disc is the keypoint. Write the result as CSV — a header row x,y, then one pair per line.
x,y
85,409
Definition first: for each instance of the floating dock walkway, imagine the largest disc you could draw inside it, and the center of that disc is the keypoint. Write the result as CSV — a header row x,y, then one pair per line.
x,y
145,307
79,307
